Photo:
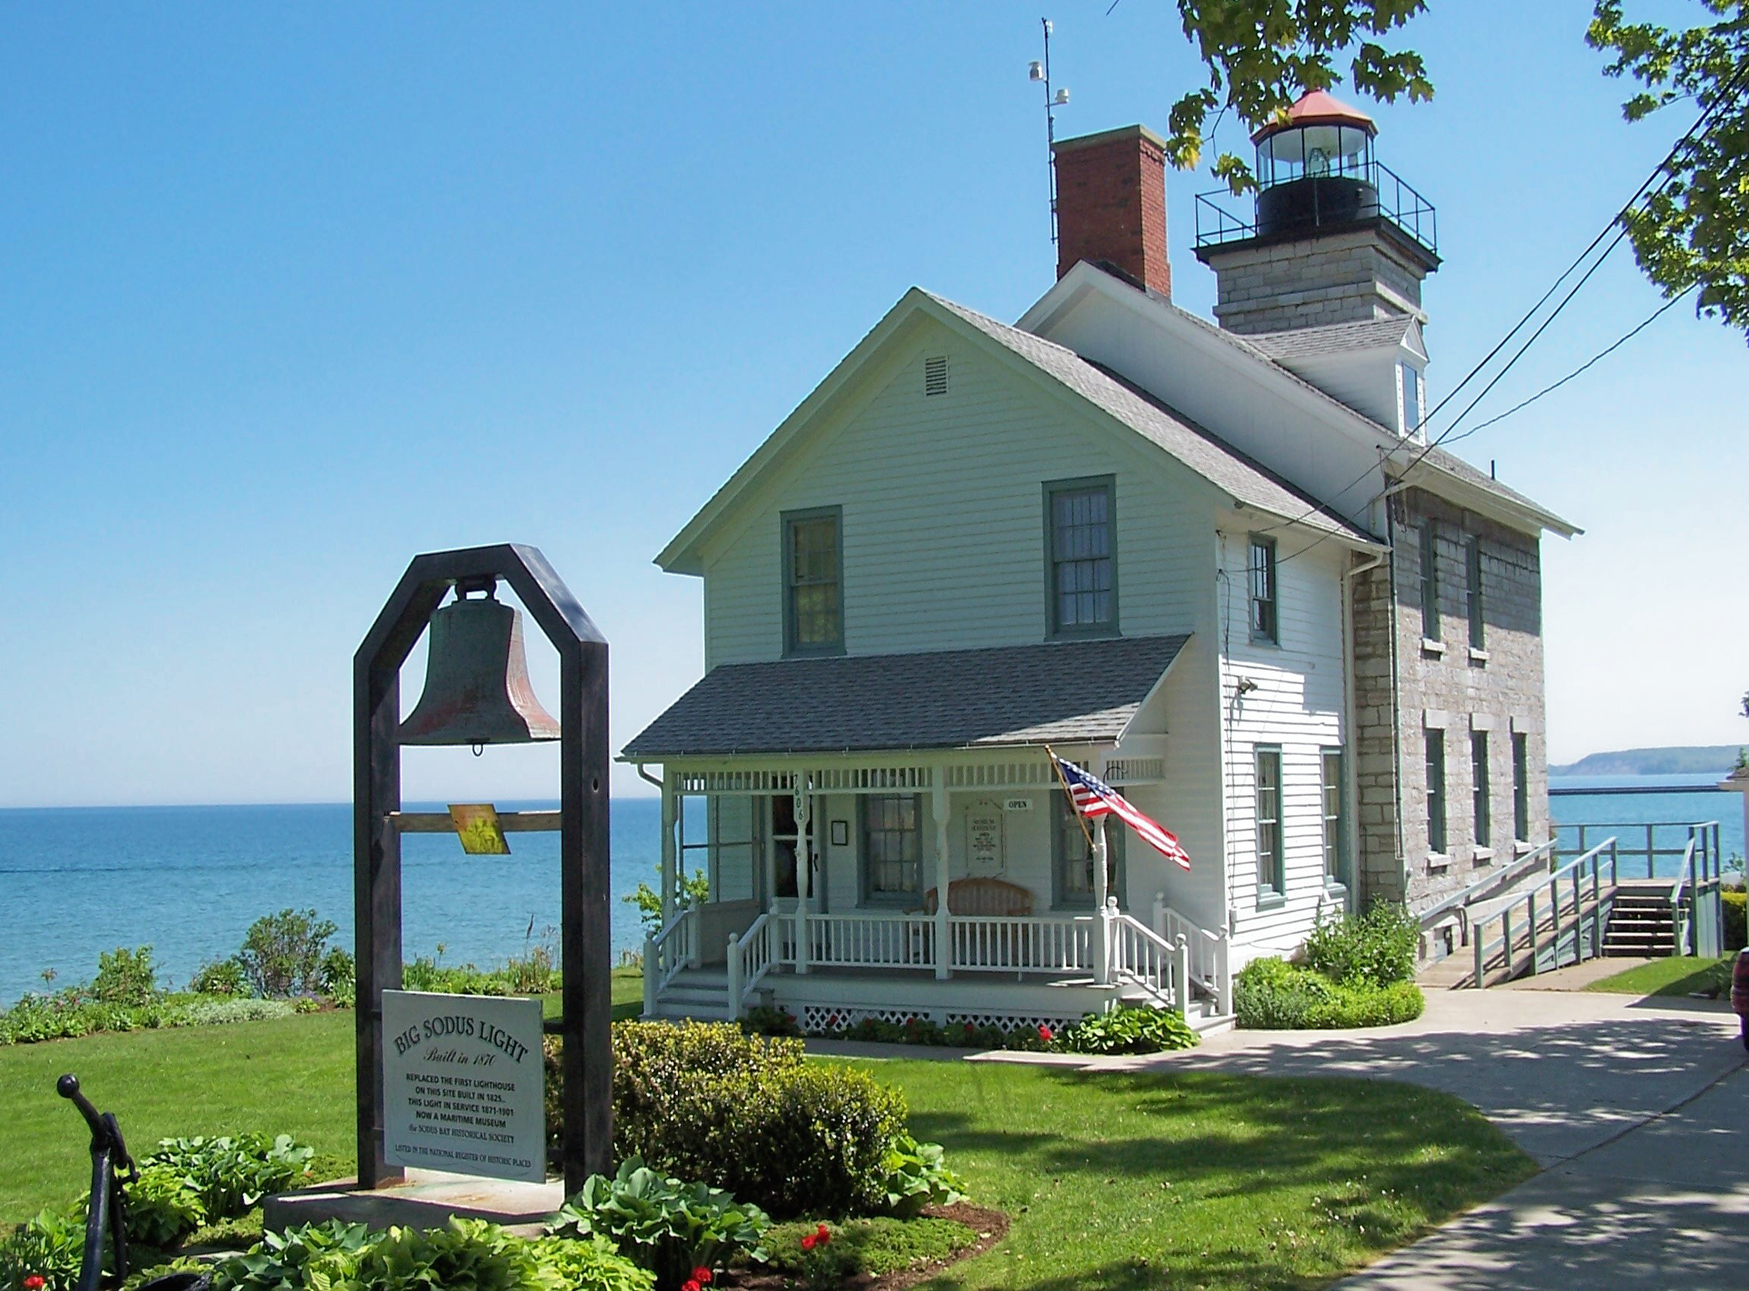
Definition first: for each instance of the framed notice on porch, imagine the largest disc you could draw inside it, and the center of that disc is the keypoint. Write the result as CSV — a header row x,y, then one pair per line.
x,y
984,857
463,1083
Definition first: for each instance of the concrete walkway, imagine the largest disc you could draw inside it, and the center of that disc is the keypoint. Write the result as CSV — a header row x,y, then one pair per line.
x,y
1637,1110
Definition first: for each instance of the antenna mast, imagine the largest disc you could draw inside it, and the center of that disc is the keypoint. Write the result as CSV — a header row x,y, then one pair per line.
x,y
1041,71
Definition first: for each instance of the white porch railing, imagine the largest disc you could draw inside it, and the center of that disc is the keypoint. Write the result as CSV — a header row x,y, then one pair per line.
x,y
1209,970
869,940
995,943
750,957
666,953
1144,958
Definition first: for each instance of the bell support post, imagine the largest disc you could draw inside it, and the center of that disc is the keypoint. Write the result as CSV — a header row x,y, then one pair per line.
x,y
583,839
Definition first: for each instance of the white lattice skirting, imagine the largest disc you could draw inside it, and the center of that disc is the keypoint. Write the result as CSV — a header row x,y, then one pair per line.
x,y
817,1018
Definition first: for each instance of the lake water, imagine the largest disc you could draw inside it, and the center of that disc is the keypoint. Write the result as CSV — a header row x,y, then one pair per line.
x,y
1626,815
190,881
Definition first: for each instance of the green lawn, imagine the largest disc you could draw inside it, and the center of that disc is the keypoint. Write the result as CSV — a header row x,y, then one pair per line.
x,y
1131,1181
1677,975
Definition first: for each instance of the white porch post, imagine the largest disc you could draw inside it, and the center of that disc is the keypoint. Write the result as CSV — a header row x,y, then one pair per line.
x,y
1101,926
668,813
804,867
943,929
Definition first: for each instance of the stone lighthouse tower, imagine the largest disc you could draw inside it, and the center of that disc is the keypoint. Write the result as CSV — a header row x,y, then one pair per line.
x,y
1336,237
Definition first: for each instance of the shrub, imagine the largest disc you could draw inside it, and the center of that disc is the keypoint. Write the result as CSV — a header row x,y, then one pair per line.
x,y
220,977
282,953
125,976
744,1113
662,1224
1271,994
339,976
768,1020
51,1247
231,1173
1736,917
221,1011
1377,947
915,1175
162,1207
1129,1030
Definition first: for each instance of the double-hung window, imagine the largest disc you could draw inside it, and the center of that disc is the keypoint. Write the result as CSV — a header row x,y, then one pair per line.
x,y
1484,825
1411,398
1436,791
1520,787
1430,580
1332,794
813,582
1265,625
892,848
1072,885
1271,855
1473,570
1081,576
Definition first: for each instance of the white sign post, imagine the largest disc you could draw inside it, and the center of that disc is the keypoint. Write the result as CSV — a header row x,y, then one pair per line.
x,y
463,1084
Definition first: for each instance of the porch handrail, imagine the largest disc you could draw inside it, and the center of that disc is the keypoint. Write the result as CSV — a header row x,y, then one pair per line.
x,y
666,952
1522,909
749,959
1209,955
867,940
1142,956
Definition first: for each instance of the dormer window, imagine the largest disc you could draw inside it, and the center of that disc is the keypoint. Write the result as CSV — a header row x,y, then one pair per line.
x,y
1410,395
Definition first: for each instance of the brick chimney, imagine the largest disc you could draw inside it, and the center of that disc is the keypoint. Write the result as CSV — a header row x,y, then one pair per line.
x,y
1111,203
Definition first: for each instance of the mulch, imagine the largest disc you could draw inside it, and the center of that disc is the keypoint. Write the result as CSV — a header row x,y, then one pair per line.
x,y
991,1226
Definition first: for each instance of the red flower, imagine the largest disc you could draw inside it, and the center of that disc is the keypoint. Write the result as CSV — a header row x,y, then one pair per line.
x,y
822,1235
702,1276
34,1282
1044,1033
808,1242
690,1285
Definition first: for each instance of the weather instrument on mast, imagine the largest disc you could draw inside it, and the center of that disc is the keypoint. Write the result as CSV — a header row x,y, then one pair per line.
x,y
1040,70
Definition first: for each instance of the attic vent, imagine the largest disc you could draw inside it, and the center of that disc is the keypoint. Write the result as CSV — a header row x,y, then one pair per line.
x,y
935,375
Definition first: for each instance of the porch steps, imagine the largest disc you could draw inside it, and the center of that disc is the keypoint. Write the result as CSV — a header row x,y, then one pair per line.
x,y
695,993
1642,923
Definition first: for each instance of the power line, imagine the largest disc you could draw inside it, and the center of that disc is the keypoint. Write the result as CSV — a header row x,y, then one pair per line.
x,y
1601,354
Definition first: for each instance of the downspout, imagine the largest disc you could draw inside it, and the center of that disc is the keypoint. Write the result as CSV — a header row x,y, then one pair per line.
x,y
1396,705
1350,733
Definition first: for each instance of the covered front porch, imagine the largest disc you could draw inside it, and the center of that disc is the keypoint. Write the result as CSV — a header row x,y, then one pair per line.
x,y
823,888
885,835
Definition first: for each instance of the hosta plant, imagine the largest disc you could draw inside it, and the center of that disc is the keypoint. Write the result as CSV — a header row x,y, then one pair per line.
x,y
916,1175
663,1224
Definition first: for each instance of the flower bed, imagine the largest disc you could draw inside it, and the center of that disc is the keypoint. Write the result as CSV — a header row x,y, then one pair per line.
x,y
1356,973
1124,1029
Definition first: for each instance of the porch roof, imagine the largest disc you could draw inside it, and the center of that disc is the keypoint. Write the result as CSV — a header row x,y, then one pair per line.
x,y
1068,692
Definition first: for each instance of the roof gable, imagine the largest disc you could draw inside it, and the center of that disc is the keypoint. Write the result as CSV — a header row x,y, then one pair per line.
x,y
1123,407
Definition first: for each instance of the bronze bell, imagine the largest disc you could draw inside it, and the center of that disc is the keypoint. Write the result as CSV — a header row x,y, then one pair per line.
x,y
476,678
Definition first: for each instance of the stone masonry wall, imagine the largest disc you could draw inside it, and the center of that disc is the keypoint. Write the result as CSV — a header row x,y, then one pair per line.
x,y
1334,278
1448,687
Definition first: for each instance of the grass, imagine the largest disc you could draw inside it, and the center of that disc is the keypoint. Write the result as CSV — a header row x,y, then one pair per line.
x,y
1198,1179
1680,975
1117,1180
873,1246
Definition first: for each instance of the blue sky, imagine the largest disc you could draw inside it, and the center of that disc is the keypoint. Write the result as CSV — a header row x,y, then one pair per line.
x,y
290,293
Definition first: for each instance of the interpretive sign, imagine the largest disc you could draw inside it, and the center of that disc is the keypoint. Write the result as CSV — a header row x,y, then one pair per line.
x,y
984,857
463,1084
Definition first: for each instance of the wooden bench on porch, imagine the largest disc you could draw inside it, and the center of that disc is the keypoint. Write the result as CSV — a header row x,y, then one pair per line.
x,y
992,898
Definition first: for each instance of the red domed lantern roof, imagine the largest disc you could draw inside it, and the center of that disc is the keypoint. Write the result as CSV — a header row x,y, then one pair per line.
x,y
1318,108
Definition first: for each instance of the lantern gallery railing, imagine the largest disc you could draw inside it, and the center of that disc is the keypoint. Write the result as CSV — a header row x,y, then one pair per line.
x,y
1367,191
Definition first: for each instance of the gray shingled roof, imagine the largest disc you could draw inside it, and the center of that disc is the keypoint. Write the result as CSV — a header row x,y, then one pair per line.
x,y
1336,338
1070,691
1209,456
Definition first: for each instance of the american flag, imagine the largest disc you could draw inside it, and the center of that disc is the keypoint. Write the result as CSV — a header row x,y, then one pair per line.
x,y
1094,798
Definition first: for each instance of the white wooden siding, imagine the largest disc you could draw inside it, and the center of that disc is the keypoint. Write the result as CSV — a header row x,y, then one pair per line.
x,y
944,538
1298,706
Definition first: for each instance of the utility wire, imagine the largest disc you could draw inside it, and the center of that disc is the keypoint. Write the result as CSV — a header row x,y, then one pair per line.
x,y
1601,354
1619,225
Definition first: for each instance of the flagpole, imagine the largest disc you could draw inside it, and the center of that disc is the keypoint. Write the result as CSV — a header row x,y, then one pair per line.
x,y
1079,818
